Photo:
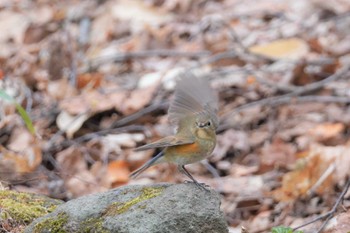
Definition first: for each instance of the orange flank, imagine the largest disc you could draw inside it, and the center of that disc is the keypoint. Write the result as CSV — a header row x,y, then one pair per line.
x,y
187,149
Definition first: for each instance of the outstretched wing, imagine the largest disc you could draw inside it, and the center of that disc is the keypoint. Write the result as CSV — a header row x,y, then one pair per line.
x,y
165,142
193,95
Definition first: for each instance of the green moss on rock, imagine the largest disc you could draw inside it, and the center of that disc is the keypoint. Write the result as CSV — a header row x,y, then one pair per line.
x,y
146,193
24,207
93,225
54,224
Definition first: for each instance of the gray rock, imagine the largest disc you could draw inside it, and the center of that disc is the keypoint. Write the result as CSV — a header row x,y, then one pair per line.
x,y
159,208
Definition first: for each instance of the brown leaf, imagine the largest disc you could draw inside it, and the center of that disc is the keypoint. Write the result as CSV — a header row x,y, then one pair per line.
x,y
231,139
321,165
71,161
292,48
277,154
60,89
92,80
82,184
93,101
24,153
326,131
138,99
117,173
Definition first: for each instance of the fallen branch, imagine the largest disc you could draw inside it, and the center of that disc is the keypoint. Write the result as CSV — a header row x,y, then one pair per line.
x,y
330,213
281,100
121,57
139,114
295,96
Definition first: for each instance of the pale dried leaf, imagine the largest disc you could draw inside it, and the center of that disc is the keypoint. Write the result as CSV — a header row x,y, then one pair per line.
x,y
139,14
70,123
14,24
292,48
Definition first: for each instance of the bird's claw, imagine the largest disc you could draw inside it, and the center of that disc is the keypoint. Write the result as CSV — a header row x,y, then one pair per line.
x,y
200,185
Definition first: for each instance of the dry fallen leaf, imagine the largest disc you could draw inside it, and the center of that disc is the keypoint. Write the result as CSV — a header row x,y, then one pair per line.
x,y
326,131
60,89
117,173
69,123
23,154
12,26
82,184
138,13
90,80
78,178
71,161
292,48
227,141
318,171
138,99
93,101
277,154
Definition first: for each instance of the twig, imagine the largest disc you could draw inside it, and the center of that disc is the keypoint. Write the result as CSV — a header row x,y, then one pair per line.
x,y
330,213
90,136
93,135
234,35
121,57
323,177
139,114
317,85
286,98
84,31
215,58
280,100
72,53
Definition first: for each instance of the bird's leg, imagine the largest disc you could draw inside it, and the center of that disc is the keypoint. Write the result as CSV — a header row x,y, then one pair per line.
x,y
184,171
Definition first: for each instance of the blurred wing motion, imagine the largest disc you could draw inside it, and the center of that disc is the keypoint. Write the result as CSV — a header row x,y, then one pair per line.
x,y
193,96
165,142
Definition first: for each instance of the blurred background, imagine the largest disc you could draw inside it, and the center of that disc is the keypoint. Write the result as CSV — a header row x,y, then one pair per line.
x,y
96,78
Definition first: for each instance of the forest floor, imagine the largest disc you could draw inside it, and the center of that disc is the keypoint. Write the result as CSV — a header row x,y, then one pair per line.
x,y
96,78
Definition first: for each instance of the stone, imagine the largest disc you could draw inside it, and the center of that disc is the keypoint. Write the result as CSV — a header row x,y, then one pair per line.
x,y
161,208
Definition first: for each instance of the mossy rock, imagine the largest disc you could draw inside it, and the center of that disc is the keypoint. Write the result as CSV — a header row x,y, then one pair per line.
x,y
19,209
155,208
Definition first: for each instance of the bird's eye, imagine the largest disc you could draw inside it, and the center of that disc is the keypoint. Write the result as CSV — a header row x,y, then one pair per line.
x,y
202,125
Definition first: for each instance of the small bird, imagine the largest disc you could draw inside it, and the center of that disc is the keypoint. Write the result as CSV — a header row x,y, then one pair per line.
x,y
193,112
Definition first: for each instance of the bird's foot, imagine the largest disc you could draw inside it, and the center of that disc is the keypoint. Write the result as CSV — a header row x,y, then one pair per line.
x,y
203,186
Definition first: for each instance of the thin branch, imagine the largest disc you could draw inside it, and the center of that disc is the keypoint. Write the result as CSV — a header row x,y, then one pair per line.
x,y
317,85
330,213
281,100
286,98
121,57
89,136
323,177
139,114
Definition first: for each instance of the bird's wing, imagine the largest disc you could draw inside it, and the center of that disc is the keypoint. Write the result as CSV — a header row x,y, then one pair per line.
x,y
165,142
193,95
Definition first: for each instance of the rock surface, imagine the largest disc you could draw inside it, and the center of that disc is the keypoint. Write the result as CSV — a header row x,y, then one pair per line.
x,y
159,208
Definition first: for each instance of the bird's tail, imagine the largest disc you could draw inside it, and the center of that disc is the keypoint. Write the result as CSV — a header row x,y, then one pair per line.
x,y
147,164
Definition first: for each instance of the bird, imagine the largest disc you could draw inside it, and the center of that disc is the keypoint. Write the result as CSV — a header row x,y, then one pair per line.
x,y
193,113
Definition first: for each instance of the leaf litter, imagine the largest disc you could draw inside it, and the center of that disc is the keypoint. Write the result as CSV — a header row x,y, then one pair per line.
x,y
96,83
